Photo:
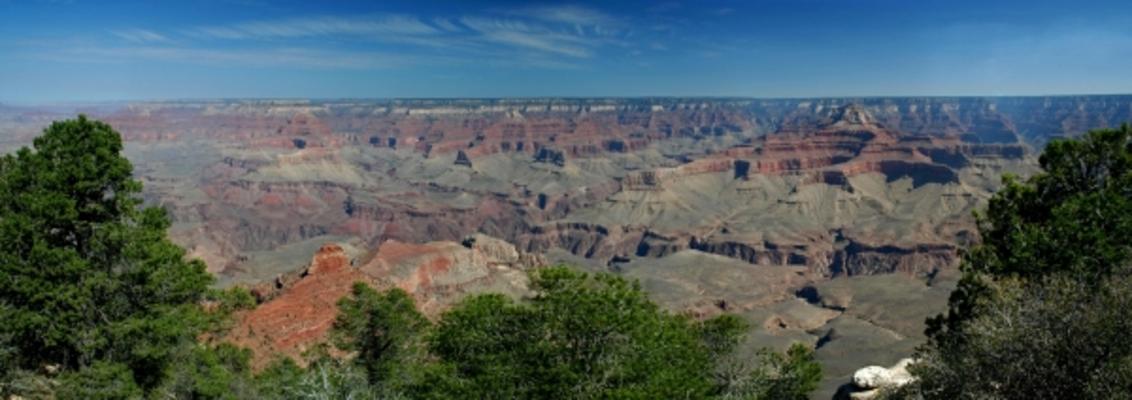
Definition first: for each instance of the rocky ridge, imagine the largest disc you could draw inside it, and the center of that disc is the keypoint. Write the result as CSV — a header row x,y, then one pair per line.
x,y
299,312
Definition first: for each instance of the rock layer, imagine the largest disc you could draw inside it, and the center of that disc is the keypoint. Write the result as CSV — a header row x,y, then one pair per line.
x,y
856,186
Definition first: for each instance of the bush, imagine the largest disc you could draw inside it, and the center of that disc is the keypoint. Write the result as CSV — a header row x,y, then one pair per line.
x,y
789,376
100,381
1055,339
324,379
1042,309
208,372
581,336
1073,219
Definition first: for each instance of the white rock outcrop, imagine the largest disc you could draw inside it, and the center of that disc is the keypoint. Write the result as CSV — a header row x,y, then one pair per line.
x,y
872,379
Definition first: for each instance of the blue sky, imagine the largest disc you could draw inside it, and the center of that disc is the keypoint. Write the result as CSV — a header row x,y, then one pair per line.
x,y
86,50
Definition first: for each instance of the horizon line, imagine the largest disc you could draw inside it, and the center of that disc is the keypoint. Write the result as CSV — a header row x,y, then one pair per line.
x,y
535,98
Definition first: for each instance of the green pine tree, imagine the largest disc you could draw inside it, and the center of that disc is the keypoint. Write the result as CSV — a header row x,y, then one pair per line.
x,y
88,275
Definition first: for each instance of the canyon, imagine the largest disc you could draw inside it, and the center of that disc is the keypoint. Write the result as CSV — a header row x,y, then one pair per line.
x,y
836,222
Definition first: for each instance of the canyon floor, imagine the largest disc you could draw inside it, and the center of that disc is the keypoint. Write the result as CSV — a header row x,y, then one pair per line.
x,y
834,222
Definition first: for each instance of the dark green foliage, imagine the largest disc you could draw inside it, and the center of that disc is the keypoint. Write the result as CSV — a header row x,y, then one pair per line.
x,y
581,337
90,277
776,376
275,381
7,348
208,372
772,376
220,304
386,331
14,379
1059,338
230,300
326,378
790,376
1043,308
721,334
99,381
1074,219
482,338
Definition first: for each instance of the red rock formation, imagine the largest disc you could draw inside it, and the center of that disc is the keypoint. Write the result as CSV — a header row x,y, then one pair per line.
x,y
439,273
302,314
853,143
302,309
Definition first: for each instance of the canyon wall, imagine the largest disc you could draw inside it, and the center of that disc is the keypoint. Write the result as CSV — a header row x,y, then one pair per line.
x,y
840,186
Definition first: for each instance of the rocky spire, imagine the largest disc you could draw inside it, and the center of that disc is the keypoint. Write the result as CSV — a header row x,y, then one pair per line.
x,y
853,114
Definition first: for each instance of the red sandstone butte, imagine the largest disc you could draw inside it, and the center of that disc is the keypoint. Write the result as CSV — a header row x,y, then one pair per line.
x,y
302,314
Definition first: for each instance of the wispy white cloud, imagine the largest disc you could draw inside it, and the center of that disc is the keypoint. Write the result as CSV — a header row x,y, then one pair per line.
x,y
521,34
290,57
482,24
140,35
567,14
318,26
446,24
466,33
538,36
537,42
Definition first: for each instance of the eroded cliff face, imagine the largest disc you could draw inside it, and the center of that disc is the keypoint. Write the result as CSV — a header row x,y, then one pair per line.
x,y
840,186
810,183
302,312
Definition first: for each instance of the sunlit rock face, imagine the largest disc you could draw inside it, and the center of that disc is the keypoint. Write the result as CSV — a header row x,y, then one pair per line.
x,y
302,312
